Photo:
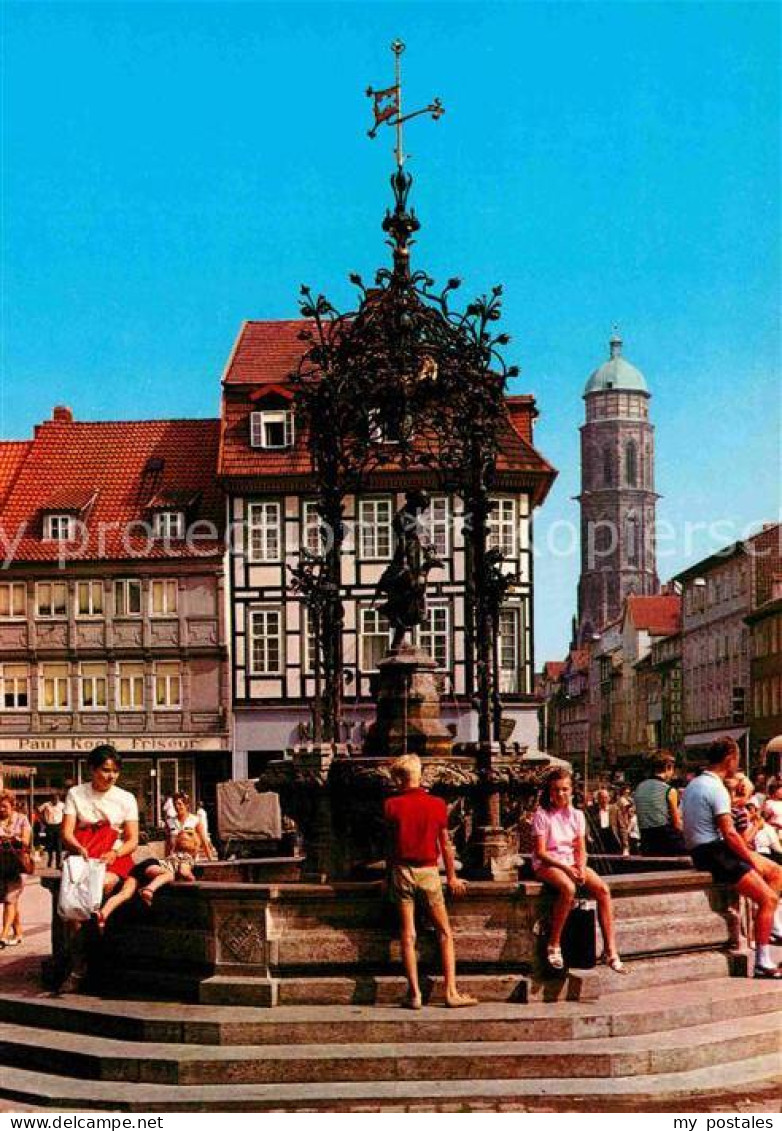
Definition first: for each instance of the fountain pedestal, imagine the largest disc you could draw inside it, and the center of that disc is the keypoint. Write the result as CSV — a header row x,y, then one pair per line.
x,y
408,709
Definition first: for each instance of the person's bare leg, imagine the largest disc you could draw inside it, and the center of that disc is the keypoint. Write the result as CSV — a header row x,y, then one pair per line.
x,y
8,921
566,890
605,912
126,892
770,872
409,956
765,899
442,924
160,877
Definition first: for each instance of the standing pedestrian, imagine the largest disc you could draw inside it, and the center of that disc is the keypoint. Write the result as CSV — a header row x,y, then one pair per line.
x,y
51,813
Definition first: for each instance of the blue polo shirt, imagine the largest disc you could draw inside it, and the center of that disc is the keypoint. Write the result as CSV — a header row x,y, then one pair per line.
x,y
704,800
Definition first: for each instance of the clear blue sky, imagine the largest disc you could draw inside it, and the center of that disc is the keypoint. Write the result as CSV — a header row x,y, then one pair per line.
x,y
171,169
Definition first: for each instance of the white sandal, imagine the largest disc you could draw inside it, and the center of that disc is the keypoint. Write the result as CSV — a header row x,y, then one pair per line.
x,y
554,958
614,962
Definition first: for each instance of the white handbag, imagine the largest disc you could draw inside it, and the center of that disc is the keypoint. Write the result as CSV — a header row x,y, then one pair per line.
x,y
81,888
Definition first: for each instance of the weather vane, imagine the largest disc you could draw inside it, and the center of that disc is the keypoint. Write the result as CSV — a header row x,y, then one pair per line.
x,y
387,105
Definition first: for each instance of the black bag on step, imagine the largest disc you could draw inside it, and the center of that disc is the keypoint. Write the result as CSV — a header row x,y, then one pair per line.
x,y
579,937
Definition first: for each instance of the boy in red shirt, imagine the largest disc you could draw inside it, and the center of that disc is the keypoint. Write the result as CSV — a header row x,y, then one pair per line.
x,y
418,828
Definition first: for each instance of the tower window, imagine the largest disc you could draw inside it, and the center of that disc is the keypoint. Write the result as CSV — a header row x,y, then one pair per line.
x,y
631,534
631,464
608,468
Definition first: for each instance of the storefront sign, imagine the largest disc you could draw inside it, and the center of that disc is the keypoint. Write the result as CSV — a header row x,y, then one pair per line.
x,y
125,744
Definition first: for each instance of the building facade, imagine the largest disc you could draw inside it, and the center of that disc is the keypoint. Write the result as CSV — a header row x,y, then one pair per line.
x,y
765,706
112,625
719,593
617,499
265,471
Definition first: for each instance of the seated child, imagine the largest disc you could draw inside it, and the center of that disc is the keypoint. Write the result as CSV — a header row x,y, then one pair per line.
x,y
152,874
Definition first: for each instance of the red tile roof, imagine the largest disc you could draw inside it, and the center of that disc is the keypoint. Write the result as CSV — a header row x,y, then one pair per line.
x,y
659,616
12,456
553,669
266,353
74,460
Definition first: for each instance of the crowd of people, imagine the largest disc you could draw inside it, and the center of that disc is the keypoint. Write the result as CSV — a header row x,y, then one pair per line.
x,y
728,824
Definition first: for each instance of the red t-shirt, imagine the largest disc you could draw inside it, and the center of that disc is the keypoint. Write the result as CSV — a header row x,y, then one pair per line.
x,y
416,819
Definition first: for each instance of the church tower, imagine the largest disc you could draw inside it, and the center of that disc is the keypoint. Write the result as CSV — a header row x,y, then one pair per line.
x,y
618,500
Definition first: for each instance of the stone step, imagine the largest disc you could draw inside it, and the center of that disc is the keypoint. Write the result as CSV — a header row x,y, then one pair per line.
x,y
89,1057
725,1088
627,1012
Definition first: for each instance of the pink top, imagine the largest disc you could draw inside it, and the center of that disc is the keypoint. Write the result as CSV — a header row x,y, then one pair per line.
x,y
561,830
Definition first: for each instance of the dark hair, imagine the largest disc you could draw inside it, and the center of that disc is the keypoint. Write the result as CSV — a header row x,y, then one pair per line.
x,y
180,795
101,754
662,761
719,750
558,774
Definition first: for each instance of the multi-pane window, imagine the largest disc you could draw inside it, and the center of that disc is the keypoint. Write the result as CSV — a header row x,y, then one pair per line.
x,y
13,600
89,598
93,687
375,632
168,524
130,687
436,525
162,598
271,429
168,684
127,598
375,518
266,641
59,527
15,687
435,635
503,527
54,688
309,642
264,532
315,535
508,648
51,599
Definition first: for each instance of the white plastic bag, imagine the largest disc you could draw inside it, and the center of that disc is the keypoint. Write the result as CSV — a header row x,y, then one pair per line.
x,y
81,888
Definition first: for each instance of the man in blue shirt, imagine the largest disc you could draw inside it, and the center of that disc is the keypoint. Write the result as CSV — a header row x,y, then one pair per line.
x,y
716,847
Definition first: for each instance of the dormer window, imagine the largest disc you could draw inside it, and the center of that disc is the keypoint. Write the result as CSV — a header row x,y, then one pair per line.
x,y
59,527
168,524
271,429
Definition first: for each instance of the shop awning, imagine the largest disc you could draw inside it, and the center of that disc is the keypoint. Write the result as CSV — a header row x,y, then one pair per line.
x,y
704,738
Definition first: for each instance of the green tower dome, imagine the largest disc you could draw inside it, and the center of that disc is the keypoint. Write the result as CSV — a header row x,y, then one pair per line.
x,y
616,373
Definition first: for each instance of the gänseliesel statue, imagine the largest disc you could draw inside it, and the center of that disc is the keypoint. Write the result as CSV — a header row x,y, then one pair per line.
x,y
403,582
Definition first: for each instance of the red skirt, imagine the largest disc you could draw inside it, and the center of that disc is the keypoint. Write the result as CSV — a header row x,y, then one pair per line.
x,y
99,839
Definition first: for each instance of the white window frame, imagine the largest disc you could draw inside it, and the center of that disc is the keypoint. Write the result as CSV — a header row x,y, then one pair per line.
x,y
503,527
61,680
264,616
375,528
376,632
263,419
58,611
307,642
133,680
428,632
511,679
168,679
10,674
264,521
91,588
169,524
93,674
17,599
169,604
314,532
59,527
124,587
436,523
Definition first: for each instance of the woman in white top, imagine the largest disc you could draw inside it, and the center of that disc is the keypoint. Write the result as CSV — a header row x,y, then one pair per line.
x,y
559,858
183,819
100,822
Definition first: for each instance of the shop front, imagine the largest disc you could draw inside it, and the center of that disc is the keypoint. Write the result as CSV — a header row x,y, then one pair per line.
x,y
153,768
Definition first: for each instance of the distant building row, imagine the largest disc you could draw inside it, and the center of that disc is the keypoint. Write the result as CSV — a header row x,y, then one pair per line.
x,y
676,670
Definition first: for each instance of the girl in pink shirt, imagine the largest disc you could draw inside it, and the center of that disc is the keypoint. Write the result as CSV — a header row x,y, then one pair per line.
x,y
559,860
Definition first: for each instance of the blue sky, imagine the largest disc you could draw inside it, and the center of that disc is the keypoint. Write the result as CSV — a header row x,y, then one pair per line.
x,y
171,169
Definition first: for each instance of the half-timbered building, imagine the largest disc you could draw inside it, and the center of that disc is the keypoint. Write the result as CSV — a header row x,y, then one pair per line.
x,y
265,470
